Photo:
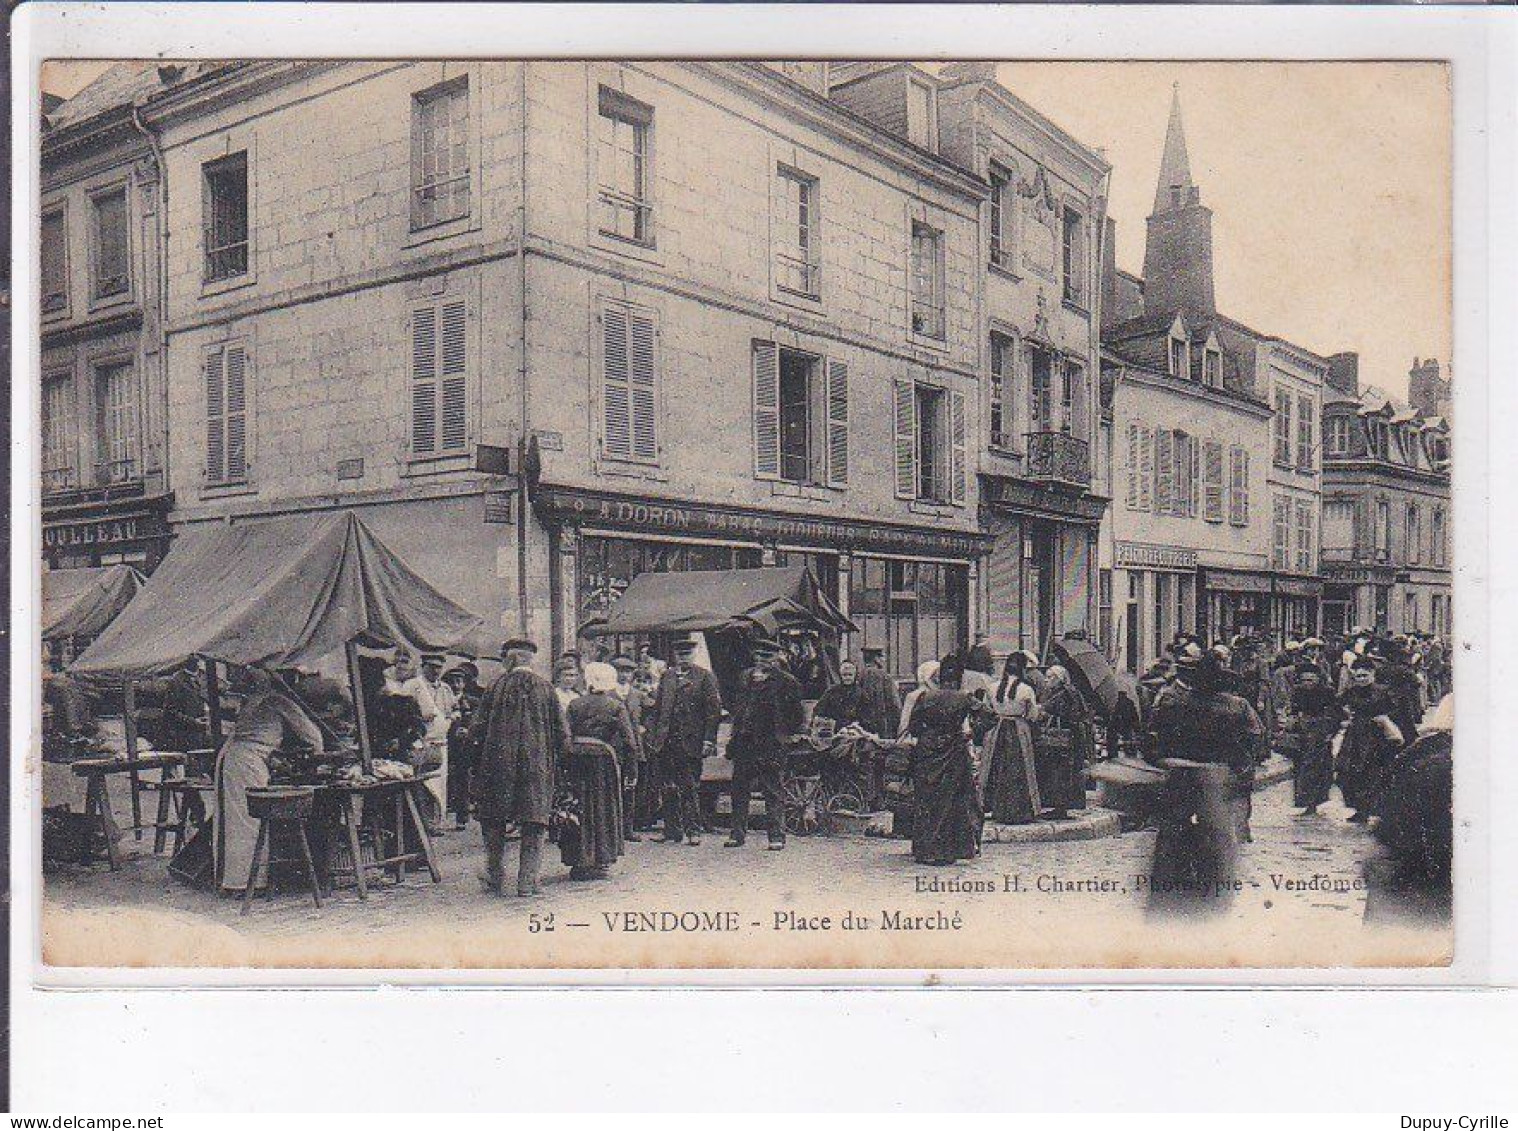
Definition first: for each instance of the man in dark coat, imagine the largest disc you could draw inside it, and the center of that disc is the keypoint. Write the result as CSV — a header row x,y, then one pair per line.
x,y
687,709
880,712
768,716
520,736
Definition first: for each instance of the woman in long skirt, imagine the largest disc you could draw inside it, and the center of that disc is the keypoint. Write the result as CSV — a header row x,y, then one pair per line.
x,y
1371,739
944,825
1012,795
268,722
602,742
1316,718
1067,746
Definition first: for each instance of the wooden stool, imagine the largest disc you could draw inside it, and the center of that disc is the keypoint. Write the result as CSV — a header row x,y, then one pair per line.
x,y
273,807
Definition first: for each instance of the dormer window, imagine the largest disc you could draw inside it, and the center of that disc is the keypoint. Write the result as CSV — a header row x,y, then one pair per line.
x,y
922,115
1338,436
1212,367
1180,356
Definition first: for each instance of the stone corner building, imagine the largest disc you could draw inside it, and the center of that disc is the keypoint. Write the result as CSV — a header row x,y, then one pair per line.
x,y
549,325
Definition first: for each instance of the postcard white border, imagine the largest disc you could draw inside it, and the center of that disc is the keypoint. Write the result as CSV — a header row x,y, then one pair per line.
x,y
1479,42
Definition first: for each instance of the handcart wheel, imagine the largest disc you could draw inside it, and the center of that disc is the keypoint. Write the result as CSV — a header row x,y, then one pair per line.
x,y
845,800
800,797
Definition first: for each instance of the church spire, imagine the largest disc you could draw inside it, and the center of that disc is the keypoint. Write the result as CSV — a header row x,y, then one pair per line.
x,y
1175,185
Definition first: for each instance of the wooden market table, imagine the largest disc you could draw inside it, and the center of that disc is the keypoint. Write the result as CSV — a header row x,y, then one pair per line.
x,y
97,797
399,797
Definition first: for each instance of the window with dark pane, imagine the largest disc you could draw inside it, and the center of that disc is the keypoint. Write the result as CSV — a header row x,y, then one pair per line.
x,y
440,174
112,261
226,217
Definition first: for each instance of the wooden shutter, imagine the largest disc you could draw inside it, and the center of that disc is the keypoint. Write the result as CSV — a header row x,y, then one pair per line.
x,y
1280,556
424,380
957,448
1164,472
216,415
906,440
453,379
766,410
1305,430
838,423
1133,465
616,385
643,377
1244,487
1146,467
1212,481
237,413
1194,447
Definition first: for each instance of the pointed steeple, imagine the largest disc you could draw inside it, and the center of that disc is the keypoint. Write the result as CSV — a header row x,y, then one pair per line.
x,y
1178,242
1175,184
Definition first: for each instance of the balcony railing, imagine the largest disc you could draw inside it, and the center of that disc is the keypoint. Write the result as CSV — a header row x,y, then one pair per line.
x,y
1057,457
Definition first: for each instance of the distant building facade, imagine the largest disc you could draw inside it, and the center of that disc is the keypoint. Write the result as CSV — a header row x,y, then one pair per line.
x,y
105,494
1215,477
1386,508
1042,493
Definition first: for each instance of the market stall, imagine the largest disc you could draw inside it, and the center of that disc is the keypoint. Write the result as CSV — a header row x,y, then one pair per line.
x,y
291,593
77,605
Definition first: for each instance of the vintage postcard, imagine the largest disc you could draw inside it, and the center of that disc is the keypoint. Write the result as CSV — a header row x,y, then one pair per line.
x,y
821,513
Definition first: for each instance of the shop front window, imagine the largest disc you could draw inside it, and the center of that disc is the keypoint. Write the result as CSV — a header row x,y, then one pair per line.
x,y
916,611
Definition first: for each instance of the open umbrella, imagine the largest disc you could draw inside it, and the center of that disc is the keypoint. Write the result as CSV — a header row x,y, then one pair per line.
x,y
1091,671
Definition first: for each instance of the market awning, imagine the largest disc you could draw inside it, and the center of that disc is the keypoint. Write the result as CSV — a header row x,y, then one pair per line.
x,y
81,602
282,591
705,600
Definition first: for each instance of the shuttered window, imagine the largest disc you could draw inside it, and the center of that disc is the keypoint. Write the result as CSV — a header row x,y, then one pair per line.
x,y
957,455
1280,546
1212,481
1183,498
440,378
1282,428
1135,432
58,433
766,410
115,423
838,423
629,384
1164,472
906,440
1304,558
1305,433
226,380
1238,486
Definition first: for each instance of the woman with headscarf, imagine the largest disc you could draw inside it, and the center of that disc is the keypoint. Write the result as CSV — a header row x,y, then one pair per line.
x,y
1315,718
269,722
927,680
945,819
1012,795
601,742
1371,739
1066,745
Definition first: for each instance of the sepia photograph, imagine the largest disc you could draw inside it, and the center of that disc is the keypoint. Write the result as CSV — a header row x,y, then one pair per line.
x,y
802,514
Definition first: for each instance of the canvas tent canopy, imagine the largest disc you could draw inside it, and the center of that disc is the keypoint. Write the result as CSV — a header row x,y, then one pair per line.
x,y
786,597
282,592
81,602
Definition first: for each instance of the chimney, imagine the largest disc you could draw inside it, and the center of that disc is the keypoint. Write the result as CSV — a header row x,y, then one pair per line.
x,y
1109,273
1344,373
966,71
1426,388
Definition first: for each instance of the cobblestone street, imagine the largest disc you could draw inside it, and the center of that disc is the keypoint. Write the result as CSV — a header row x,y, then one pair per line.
x,y
1072,902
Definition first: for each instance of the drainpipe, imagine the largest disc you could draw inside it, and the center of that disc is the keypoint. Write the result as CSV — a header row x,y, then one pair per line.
x,y
161,254
523,522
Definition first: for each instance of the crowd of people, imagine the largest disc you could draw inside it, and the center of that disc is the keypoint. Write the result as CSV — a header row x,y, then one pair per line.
x,y
595,754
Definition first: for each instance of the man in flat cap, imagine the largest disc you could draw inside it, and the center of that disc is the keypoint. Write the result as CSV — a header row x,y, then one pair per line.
x,y
520,735
768,716
687,709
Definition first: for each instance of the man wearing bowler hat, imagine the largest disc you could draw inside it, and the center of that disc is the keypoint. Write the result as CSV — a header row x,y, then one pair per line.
x,y
687,709
768,716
